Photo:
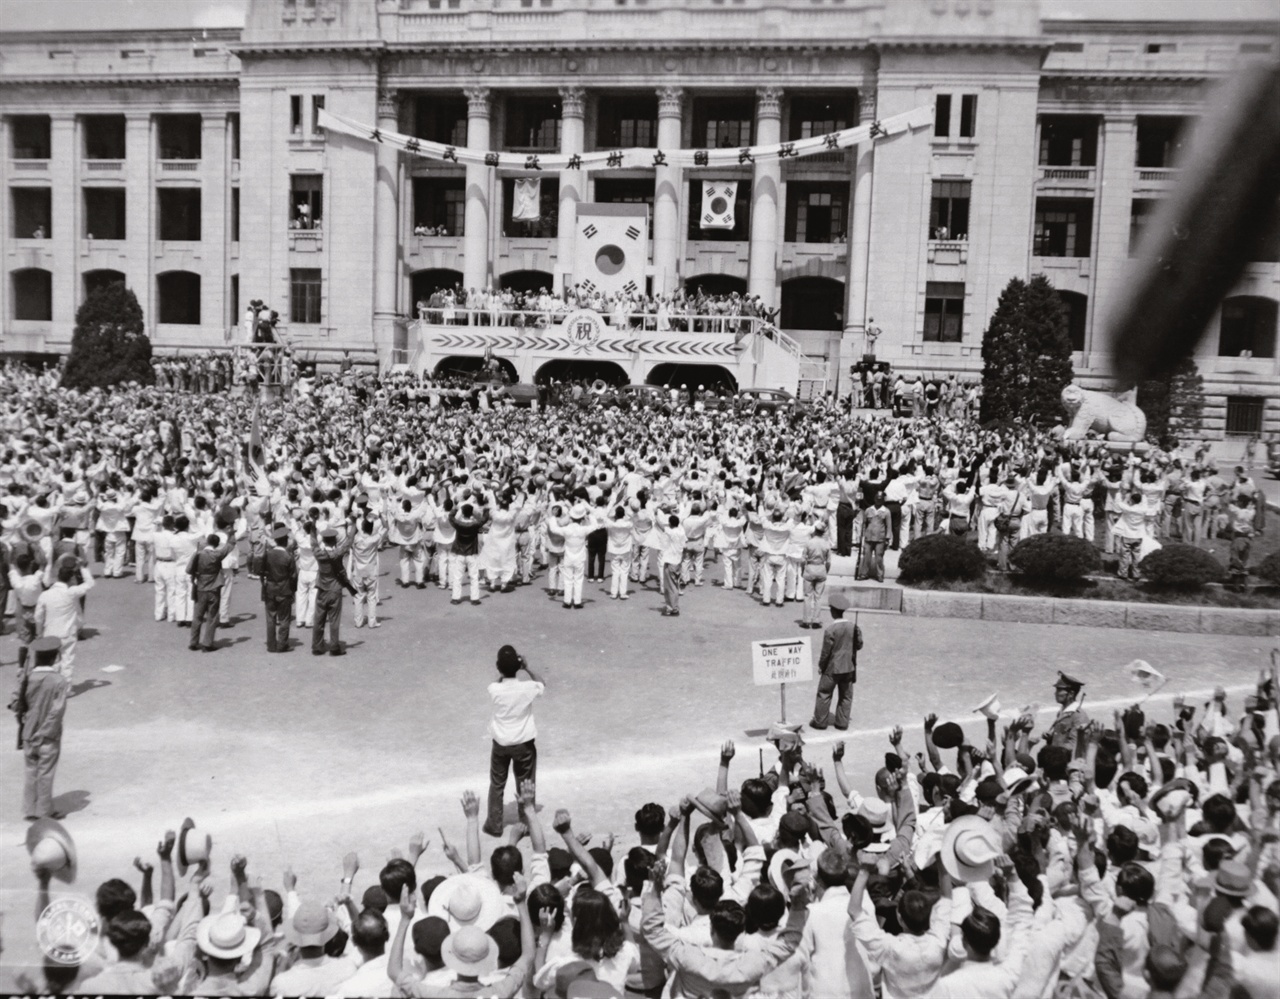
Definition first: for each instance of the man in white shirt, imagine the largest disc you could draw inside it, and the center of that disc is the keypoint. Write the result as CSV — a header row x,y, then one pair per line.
x,y
512,729
370,936
58,612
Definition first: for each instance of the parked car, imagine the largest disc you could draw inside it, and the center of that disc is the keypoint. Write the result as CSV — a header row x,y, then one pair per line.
x,y
771,400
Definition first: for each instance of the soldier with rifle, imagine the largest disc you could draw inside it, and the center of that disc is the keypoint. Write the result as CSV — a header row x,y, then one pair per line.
x,y
40,703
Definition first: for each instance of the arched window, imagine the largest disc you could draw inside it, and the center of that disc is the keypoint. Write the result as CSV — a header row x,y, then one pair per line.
x,y
93,280
179,297
33,295
1248,327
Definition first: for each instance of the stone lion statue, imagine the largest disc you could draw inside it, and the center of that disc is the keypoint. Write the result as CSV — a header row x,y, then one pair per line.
x,y
1116,419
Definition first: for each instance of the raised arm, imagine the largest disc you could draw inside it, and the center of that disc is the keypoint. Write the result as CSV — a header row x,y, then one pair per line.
x,y
722,772
471,809
562,825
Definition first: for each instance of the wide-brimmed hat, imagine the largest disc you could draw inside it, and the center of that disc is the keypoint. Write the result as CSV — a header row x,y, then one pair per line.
x,y
467,900
578,511
312,925
468,950
227,935
782,863
712,804
948,735
875,811
970,846
32,530
52,849
1233,879
192,849
1016,779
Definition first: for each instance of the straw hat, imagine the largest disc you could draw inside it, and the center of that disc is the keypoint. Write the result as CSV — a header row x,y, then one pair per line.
x,y
52,849
227,935
969,849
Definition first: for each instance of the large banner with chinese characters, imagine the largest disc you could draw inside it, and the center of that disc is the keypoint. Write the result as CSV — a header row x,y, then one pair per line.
x,y
632,159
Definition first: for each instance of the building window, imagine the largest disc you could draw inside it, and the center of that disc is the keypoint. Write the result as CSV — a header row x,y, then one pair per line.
x,y
942,115
306,201
1140,212
30,136
816,213
1244,414
233,120
180,214
949,213
626,191
439,206
103,136
440,118
1068,140
1077,306
295,114
968,115
624,122
533,124
548,210
304,295
235,215
32,212
944,311
93,280
723,122
1247,327
741,215
1064,227
32,295
179,136
1160,141
1268,248
104,210
317,105
234,300
178,293
815,114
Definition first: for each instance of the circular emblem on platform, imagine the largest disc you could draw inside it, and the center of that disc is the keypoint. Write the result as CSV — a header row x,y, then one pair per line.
x,y
584,328
67,931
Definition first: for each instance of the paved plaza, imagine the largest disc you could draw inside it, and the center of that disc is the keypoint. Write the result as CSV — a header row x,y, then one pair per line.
x,y
296,759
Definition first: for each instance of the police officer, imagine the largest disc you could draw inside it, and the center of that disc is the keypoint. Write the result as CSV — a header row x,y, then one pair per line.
x,y
1071,720
838,665
279,568
40,703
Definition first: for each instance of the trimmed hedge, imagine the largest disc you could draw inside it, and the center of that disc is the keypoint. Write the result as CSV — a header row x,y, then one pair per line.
x,y
941,556
1058,557
1182,566
1269,568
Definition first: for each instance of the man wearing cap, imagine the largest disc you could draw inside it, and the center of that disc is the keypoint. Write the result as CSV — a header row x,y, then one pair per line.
x,y
331,580
314,973
41,701
575,530
279,568
1065,729
205,572
838,666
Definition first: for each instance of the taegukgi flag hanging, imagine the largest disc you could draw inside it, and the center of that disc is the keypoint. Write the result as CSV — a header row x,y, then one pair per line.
x,y
718,197
527,199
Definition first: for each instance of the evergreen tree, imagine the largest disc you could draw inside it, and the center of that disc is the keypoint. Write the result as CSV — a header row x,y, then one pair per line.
x,y
109,345
1047,342
1003,371
1174,405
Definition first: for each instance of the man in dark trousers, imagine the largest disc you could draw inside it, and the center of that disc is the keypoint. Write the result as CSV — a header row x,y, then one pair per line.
x,y
331,580
838,665
40,703
279,568
205,570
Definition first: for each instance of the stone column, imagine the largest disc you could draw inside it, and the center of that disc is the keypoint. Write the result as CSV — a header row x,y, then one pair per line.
x,y
1112,209
66,219
475,243
855,314
766,179
572,128
215,208
666,194
386,227
140,214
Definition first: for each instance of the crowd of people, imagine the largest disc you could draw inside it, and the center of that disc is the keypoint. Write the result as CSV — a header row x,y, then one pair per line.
x,y
682,311
1044,855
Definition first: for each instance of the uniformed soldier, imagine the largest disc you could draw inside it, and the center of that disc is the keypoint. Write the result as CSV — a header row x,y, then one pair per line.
x,y
838,666
41,703
279,568
1071,721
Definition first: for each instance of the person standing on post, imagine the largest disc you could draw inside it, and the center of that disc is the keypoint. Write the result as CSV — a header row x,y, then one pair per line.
x,y
838,666
331,580
279,568
41,703
512,729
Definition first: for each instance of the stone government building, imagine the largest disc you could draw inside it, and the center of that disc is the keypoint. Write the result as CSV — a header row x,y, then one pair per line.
x,y
181,160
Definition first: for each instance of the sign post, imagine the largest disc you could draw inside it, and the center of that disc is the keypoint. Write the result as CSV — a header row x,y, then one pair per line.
x,y
781,661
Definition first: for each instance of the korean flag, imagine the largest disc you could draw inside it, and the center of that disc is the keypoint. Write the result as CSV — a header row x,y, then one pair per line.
x,y
718,197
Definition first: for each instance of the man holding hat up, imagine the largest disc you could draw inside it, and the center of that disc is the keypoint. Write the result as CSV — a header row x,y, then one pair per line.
x,y
41,703
331,580
838,665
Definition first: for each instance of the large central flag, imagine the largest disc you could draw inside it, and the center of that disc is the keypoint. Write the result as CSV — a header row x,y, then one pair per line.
x,y
718,197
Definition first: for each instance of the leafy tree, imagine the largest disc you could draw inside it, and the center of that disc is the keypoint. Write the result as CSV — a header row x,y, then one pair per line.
x,y
1026,354
1174,405
109,345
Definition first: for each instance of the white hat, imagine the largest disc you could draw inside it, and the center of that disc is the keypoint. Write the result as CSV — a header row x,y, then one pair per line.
x,y
469,950
969,849
227,935
467,900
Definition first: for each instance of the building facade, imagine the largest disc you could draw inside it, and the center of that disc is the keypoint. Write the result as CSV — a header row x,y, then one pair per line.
x,y
193,166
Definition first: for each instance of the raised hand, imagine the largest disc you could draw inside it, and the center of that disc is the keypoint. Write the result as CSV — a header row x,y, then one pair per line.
x,y
164,849
408,902
143,866
519,888
562,821
526,795
895,737
930,720
290,880
470,804
418,844
734,800
238,865
351,864
837,752
727,750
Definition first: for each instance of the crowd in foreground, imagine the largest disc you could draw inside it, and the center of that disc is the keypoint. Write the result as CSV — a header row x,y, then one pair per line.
x,y
1131,856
